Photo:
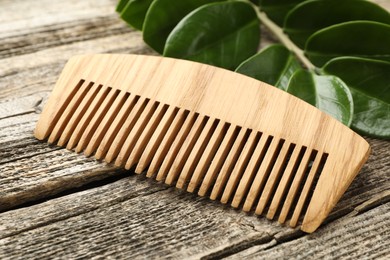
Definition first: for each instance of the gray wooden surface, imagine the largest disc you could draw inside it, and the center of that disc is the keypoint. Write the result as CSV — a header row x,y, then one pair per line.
x,y
55,203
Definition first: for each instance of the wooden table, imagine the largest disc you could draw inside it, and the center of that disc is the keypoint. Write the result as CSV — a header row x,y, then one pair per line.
x,y
58,204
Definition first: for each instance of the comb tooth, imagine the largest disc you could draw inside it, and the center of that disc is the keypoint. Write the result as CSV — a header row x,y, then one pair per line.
x,y
229,164
261,175
115,126
196,153
96,119
306,188
145,136
125,129
156,139
283,185
134,134
185,149
174,134
208,155
69,110
294,186
83,123
43,132
250,171
105,123
80,111
177,144
272,179
218,160
240,166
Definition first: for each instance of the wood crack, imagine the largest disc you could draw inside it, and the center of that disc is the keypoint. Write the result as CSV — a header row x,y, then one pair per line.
x,y
238,247
372,203
19,114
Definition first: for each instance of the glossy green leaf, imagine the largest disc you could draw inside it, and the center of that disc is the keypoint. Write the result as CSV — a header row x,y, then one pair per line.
x,y
311,16
369,82
134,12
327,93
163,16
359,39
277,10
221,34
121,4
274,65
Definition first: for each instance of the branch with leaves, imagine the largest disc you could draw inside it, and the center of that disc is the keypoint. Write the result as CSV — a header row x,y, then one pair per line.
x,y
333,54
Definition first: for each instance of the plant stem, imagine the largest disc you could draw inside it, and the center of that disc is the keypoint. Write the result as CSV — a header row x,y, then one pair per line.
x,y
283,38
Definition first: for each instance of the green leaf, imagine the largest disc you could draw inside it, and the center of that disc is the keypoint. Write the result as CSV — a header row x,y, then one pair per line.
x,y
121,4
163,16
134,12
277,10
359,38
327,93
274,65
309,17
369,82
220,34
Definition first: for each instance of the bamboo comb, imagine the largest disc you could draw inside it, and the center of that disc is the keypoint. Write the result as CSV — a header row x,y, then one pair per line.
x,y
206,130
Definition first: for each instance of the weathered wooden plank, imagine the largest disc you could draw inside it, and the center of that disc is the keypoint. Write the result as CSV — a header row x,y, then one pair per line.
x,y
130,217
363,236
31,170
143,219
17,127
33,73
65,207
20,17
62,34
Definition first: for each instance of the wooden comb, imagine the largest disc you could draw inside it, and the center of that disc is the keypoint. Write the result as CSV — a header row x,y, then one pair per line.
x,y
207,130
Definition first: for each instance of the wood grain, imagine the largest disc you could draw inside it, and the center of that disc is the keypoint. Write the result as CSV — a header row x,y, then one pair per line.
x,y
132,215
29,168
